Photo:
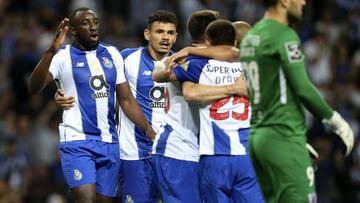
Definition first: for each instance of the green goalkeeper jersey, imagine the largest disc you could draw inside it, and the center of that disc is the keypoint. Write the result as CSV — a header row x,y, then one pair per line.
x,y
278,84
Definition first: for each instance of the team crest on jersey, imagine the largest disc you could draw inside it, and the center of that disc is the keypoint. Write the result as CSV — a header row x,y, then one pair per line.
x,y
293,51
185,65
129,199
77,175
107,63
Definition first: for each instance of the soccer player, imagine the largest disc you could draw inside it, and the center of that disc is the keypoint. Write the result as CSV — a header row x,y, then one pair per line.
x,y
137,176
93,73
176,144
226,173
241,28
212,191
279,90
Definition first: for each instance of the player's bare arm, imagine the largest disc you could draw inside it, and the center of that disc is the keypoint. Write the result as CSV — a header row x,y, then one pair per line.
x,y
205,94
219,52
41,76
64,102
132,109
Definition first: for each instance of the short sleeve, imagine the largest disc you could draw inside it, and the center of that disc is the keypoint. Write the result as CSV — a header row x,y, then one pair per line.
x,y
55,66
119,65
190,70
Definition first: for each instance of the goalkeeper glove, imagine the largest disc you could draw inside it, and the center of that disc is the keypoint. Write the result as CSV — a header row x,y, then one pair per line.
x,y
339,126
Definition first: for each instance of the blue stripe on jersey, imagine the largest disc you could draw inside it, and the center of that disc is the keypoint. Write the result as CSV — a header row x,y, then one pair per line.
x,y
87,104
110,77
192,70
143,87
161,144
221,140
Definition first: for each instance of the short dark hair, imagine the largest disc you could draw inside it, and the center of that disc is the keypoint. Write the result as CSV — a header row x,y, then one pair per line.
x,y
198,21
73,14
162,16
269,3
221,32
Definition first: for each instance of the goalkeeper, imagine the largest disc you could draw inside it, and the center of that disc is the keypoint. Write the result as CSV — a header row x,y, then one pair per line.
x,y
279,90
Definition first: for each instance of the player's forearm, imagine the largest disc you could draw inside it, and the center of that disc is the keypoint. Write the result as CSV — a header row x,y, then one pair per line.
x,y
40,77
220,52
205,94
307,92
315,103
133,111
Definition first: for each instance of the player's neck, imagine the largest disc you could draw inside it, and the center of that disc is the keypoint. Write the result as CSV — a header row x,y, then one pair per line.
x,y
156,55
277,13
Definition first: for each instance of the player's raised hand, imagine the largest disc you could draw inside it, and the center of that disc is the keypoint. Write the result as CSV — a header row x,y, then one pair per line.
x,y
60,37
64,102
341,128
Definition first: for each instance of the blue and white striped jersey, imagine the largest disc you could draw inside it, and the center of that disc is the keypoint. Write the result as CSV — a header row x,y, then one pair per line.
x,y
138,63
222,123
91,77
178,136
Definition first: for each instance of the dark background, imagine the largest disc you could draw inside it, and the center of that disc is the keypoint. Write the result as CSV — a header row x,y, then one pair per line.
x,y
30,171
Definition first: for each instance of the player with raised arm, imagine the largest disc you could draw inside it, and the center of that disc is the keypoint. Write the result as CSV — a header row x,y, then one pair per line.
x,y
174,130
226,173
94,74
279,90
176,145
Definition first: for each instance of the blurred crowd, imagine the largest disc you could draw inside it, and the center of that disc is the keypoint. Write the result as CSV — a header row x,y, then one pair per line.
x,y
30,170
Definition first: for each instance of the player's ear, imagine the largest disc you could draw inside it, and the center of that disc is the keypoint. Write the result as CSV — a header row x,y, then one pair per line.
x,y
72,31
207,42
147,34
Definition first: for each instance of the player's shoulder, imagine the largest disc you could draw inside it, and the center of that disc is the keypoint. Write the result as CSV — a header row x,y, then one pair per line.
x,y
110,48
195,58
128,51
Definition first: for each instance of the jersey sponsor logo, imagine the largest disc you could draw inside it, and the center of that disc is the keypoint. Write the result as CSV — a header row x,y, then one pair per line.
x,y
293,51
77,175
157,95
251,40
107,63
80,64
100,87
247,52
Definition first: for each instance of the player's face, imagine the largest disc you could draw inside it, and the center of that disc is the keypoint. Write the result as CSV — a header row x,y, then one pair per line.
x,y
161,37
295,8
86,30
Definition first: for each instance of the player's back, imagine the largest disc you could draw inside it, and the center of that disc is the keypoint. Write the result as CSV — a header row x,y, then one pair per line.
x,y
222,123
267,52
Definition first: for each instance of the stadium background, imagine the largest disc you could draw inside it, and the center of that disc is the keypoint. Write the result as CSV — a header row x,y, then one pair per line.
x,y
30,171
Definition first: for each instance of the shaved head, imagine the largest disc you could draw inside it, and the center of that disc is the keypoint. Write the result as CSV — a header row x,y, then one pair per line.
x,y
241,28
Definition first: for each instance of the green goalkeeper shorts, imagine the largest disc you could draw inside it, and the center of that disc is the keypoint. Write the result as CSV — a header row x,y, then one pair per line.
x,y
283,168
